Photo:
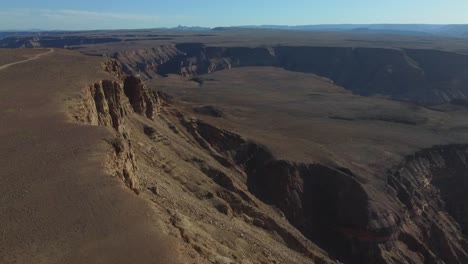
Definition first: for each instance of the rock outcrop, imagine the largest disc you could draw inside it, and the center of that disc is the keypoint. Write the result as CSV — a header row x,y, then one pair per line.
x,y
109,103
145,62
144,102
431,184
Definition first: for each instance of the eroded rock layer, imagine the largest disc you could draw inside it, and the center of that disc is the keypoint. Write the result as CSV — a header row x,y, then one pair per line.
x,y
160,152
230,200
403,74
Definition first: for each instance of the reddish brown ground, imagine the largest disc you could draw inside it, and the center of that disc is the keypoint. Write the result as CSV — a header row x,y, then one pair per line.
x,y
57,205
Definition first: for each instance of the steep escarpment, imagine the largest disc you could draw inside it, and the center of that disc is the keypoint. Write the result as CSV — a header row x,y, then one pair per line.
x,y
431,184
328,205
190,59
146,62
363,71
144,102
198,59
402,74
443,69
108,103
183,167
413,75
333,209
415,219
229,199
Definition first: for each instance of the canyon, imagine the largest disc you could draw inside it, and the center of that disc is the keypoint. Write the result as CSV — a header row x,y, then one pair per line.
x,y
423,76
182,148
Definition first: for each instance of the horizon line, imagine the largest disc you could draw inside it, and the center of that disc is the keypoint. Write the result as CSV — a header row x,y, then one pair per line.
x,y
241,26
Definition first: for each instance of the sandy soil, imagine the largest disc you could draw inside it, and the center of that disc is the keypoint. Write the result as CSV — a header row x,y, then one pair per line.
x,y
57,204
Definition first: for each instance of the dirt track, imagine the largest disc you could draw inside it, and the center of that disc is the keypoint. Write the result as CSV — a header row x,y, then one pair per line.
x,y
35,57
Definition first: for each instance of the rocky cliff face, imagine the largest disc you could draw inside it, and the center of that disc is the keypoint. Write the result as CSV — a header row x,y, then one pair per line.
x,y
413,75
198,59
108,103
415,219
333,209
146,62
138,115
403,74
328,205
431,184
302,210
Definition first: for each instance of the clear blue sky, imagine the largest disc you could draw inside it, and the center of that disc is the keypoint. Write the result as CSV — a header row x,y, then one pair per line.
x,y
107,14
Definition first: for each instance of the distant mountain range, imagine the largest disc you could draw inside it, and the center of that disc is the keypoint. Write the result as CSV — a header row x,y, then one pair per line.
x,y
185,28
460,30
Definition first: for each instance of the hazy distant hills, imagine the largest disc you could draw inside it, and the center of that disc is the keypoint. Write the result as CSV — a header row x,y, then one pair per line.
x,y
455,30
186,28
411,29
